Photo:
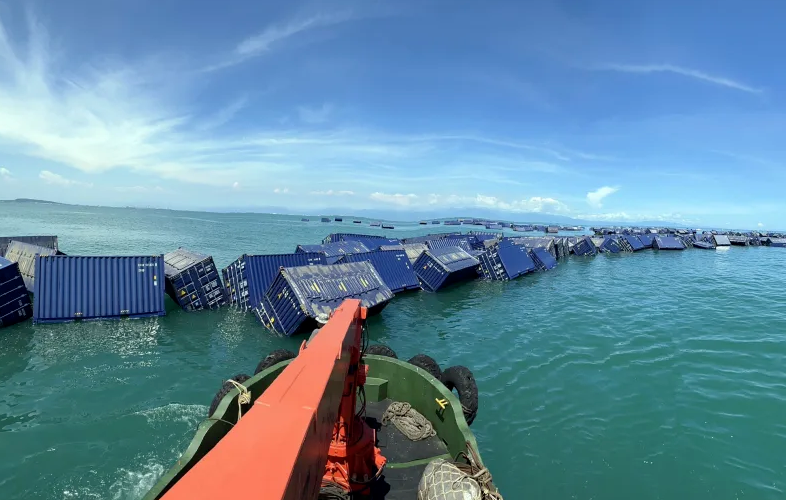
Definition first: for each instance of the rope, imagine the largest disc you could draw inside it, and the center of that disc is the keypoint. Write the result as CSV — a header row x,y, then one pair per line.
x,y
243,399
406,419
332,491
480,474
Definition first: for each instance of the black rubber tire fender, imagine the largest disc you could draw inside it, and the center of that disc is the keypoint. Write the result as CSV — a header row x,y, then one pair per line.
x,y
427,363
225,388
273,358
381,350
461,379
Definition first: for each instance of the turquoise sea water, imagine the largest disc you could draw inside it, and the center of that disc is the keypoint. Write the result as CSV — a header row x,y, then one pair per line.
x,y
647,376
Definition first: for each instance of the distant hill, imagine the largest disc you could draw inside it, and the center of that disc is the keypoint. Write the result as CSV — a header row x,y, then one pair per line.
x,y
32,200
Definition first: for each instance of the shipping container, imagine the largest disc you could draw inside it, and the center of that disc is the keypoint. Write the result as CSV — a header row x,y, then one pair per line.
x,y
303,220
552,229
668,243
374,224
357,222
248,278
15,303
506,261
371,241
439,268
334,251
536,242
435,222
414,250
387,226
41,241
24,255
463,243
393,267
646,240
777,242
339,219
706,245
193,281
302,298
611,245
451,223
739,240
325,219
543,259
69,288
721,240
585,247
634,242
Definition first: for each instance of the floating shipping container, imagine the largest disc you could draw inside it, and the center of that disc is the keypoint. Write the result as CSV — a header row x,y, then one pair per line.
x,y
334,251
721,240
24,255
248,278
543,259
634,242
414,250
325,219
611,245
739,240
393,267
668,243
193,281
777,242
41,241
299,296
646,239
69,288
506,261
706,245
463,243
371,241
584,247
15,303
441,267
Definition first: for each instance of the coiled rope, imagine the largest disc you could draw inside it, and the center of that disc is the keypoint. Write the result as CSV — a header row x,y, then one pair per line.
x,y
406,419
243,399
480,474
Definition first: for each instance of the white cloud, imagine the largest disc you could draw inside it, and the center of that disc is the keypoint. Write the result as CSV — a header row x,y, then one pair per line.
x,y
595,198
314,115
235,185
692,73
5,173
760,224
330,192
58,180
281,190
395,199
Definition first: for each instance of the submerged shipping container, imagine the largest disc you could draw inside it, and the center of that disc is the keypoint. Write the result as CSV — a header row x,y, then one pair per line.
x,y
24,255
721,240
414,250
393,267
248,278
706,245
646,239
193,281
300,298
41,241
543,259
334,251
70,287
634,242
668,243
463,243
506,261
584,247
441,267
611,245
370,241
15,303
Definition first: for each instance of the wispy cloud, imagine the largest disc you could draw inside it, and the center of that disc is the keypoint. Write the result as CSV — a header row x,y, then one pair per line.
x,y
537,204
595,198
330,192
760,224
59,180
281,190
5,173
139,189
678,70
314,115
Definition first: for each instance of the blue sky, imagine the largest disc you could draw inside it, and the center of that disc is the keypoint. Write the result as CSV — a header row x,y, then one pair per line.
x,y
603,110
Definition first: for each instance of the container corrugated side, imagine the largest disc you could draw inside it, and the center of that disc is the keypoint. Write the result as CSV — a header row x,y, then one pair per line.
x,y
634,242
668,243
437,269
585,247
68,288
463,243
371,241
543,259
24,254
299,296
721,240
193,281
611,245
392,265
248,278
15,305
41,241
506,261
334,251
414,250
646,239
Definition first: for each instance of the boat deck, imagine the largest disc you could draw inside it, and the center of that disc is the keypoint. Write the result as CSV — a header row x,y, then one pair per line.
x,y
406,459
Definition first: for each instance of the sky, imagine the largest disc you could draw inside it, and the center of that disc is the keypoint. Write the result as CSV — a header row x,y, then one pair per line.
x,y
602,110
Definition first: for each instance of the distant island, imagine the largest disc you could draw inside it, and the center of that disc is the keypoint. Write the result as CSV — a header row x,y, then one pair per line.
x,y
32,200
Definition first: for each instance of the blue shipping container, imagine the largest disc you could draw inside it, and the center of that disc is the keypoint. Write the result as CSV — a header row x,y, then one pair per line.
x,y
248,278
15,303
334,251
68,288
393,267
193,281
301,296
585,247
611,245
41,241
706,245
543,259
634,242
439,268
721,240
24,255
668,243
370,241
463,243
647,240
506,261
